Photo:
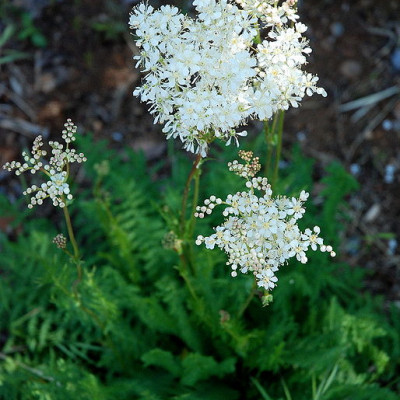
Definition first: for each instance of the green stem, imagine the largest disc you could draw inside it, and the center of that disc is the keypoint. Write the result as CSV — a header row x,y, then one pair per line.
x,y
273,135
71,233
279,128
78,279
195,201
185,277
76,256
270,133
187,269
199,306
257,39
188,246
267,134
186,194
248,299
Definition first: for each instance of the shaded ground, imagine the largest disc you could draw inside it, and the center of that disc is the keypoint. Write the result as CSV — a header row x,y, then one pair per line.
x,y
83,70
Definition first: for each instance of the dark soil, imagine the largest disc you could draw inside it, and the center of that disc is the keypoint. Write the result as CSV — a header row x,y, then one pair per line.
x,y
85,72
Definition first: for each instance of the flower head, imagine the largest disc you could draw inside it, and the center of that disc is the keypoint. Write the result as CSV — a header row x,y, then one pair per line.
x,y
60,241
260,233
206,77
56,169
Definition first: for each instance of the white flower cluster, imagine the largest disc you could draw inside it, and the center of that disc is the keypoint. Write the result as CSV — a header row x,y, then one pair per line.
x,y
57,169
205,77
260,234
270,12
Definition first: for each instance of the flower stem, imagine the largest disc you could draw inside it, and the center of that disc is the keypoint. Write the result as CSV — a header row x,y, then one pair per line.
x,y
71,233
279,131
198,301
186,194
185,277
195,201
79,277
273,135
267,134
248,300
76,256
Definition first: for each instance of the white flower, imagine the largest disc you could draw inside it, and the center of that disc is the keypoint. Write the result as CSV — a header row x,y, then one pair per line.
x,y
260,234
204,77
57,168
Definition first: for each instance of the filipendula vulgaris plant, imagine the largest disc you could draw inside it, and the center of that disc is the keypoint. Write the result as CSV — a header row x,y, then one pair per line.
x,y
204,78
56,171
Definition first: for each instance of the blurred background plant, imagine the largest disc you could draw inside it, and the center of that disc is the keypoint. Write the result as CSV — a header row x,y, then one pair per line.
x,y
9,55
17,25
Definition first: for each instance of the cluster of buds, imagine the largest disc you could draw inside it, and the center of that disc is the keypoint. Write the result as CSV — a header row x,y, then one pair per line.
x,y
171,241
208,207
260,234
60,241
31,161
251,167
56,169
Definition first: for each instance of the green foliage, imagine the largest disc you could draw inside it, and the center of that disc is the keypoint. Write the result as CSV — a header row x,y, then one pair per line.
x,y
19,25
110,28
140,326
28,31
9,55
111,24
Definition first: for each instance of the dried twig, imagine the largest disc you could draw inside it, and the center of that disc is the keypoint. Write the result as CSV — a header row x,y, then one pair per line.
x,y
373,123
370,99
21,104
23,127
